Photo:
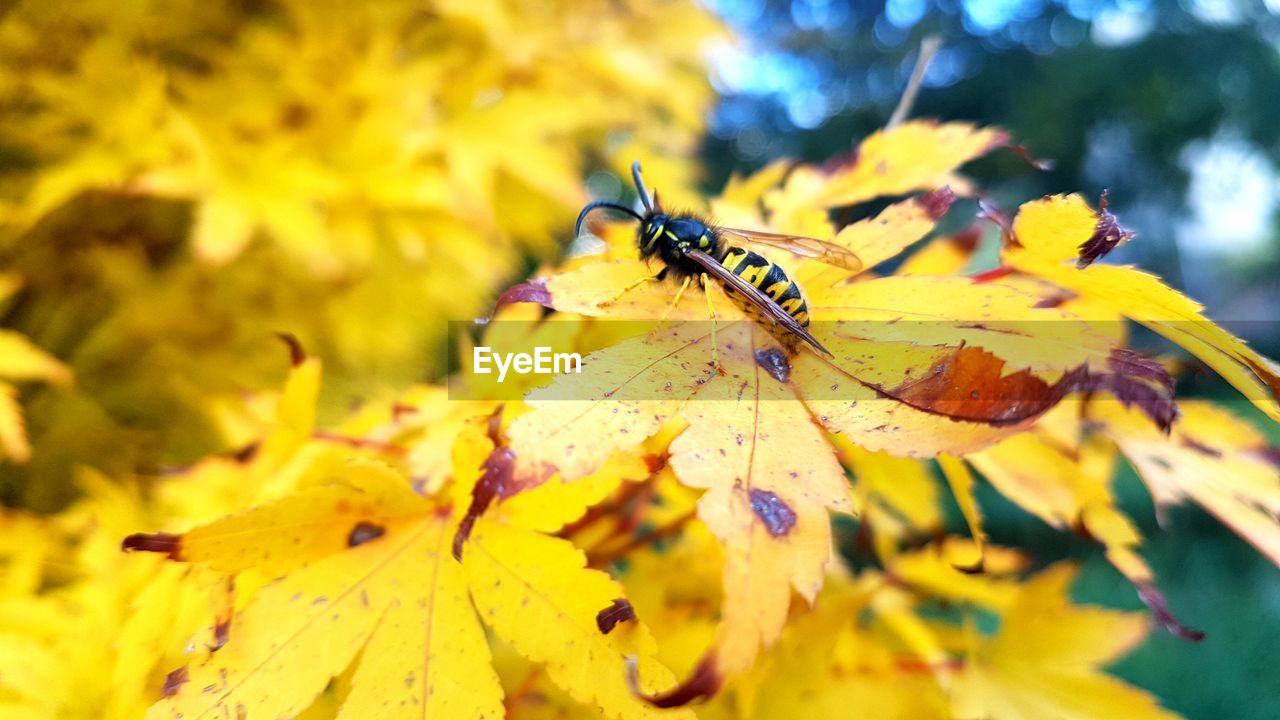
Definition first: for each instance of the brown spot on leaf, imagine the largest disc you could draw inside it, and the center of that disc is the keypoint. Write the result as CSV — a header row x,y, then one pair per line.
x,y
619,610
246,453
773,511
1153,398
399,410
222,621
174,681
364,532
1054,301
775,362
843,161
297,355
221,633
534,291
703,684
1154,599
937,202
1107,235
160,542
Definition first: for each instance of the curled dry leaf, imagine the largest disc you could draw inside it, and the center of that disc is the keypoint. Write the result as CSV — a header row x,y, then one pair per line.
x,y
1048,233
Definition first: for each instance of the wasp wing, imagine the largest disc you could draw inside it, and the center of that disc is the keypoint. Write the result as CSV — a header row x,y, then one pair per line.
x,y
756,298
821,250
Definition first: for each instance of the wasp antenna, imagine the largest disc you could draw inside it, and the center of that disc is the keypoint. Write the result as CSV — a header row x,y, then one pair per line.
x,y
644,194
577,228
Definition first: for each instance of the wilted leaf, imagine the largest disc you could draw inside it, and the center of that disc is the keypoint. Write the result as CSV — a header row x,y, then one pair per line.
x,y
1050,231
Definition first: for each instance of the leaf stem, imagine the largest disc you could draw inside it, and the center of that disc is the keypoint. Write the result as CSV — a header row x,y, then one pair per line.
x,y
601,557
928,48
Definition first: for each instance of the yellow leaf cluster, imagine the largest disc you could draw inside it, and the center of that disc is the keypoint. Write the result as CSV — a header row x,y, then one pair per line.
x,y
20,361
707,521
191,178
979,372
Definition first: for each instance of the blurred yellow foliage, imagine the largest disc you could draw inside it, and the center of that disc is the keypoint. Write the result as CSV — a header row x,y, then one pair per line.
x,y
181,180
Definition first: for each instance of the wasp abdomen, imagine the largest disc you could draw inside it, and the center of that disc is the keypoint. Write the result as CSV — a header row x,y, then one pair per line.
x,y
770,279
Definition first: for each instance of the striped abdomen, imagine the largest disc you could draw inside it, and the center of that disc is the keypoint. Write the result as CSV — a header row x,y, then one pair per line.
x,y
770,279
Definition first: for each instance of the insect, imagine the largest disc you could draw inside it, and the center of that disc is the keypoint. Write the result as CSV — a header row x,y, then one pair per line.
x,y
690,247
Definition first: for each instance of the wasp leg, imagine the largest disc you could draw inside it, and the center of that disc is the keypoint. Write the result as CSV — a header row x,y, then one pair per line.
x,y
679,294
647,278
715,344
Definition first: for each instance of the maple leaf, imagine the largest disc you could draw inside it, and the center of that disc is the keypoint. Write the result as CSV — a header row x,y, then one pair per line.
x,y
1213,458
1064,478
825,664
769,512
365,570
1048,233
1043,660
916,155
935,384
766,502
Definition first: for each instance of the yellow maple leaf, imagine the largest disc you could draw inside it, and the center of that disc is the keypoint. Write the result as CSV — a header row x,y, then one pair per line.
x,y
768,511
827,666
366,571
1043,662
937,383
1213,458
1067,483
1052,231
915,155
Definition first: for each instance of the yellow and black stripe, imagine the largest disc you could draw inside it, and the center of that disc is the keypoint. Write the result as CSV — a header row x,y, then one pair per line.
x,y
770,279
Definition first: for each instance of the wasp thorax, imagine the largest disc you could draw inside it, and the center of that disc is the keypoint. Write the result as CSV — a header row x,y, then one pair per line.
x,y
666,234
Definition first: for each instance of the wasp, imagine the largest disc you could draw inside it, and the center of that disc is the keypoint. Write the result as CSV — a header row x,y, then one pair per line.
x,y
692,248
